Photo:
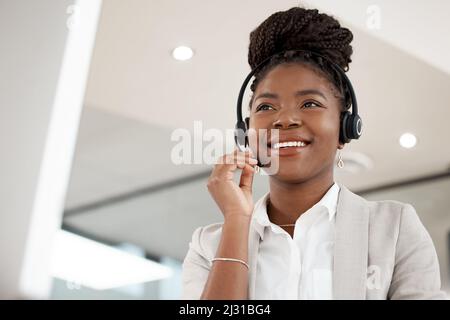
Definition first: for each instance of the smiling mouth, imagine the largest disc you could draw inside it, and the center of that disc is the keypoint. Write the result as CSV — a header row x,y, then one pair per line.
x,y
288,148
289,144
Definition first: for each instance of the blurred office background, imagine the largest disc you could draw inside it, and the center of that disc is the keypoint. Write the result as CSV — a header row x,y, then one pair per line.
x,y
126,211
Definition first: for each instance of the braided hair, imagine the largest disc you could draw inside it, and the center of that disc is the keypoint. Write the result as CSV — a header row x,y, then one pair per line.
x,y
302,29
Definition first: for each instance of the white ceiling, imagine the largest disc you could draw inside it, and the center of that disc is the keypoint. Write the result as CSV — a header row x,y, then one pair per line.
x,y
137,94
134,75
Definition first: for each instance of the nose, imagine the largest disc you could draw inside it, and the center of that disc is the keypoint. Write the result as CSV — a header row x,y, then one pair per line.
x,y
286,120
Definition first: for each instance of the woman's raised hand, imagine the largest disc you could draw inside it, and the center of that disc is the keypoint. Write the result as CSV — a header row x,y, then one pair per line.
x,y
233,199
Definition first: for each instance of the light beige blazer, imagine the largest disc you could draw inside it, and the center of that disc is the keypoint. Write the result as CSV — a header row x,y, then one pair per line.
x,y
381,251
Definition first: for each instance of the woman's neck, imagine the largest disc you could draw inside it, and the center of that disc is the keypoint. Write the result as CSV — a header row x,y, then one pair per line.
x,y
288,201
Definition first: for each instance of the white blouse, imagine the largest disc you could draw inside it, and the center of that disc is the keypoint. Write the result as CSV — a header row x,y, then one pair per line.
x,y
300,267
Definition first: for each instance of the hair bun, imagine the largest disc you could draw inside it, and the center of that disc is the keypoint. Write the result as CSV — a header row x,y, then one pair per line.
x,y
301,29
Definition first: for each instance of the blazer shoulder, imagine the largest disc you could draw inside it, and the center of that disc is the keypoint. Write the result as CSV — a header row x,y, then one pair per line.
x,y
386,215
388,209
205,239
394,217
378,209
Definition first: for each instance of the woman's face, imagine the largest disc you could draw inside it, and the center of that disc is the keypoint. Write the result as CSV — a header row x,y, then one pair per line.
x,y
301,104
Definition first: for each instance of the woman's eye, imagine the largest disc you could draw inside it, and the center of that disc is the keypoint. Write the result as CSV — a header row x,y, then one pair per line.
x,y
309,103
264,107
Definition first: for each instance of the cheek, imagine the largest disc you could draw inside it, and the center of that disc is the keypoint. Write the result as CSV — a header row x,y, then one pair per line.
x,y
257,139
326,140
257,133
327,130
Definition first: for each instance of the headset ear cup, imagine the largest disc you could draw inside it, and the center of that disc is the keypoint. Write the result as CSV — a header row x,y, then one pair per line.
x,y
349,127
343,137
240,136
356,126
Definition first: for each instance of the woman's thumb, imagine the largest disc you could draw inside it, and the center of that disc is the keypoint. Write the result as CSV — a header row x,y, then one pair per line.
x,y
247,178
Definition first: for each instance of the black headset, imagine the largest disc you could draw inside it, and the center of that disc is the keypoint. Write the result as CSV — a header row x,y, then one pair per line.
x,y
351,123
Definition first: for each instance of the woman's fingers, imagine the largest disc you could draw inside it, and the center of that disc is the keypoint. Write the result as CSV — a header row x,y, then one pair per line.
x,y
246,181
234,160
229,196
241,162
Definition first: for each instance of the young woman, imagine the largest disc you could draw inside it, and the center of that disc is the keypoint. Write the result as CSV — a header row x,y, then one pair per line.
x,y
309,237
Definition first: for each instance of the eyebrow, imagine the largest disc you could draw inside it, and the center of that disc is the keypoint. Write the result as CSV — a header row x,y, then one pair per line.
x,y
297,94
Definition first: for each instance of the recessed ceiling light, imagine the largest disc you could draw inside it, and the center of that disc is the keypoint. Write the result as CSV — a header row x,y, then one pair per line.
x,y
182,53
408,140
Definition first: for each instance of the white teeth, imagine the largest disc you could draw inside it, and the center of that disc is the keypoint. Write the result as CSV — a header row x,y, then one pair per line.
x,y
289,144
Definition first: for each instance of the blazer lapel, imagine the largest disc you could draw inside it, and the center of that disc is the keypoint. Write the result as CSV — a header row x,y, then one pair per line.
x,y
351,246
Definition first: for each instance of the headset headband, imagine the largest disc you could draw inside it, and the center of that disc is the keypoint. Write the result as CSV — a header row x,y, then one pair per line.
x,y
341,71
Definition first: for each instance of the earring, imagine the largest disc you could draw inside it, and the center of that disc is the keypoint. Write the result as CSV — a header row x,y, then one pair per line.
x,y
257,169
340,163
